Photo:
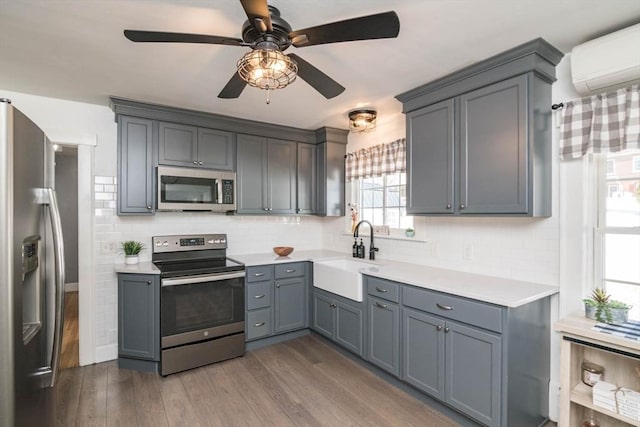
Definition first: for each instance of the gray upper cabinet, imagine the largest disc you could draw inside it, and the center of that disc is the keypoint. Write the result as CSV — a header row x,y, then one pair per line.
x,y
307,179
266,175
139,316
479,140
182,145
493,149
135,166
430,159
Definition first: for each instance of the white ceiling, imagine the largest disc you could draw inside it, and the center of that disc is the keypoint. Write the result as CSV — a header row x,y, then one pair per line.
x,y
75,49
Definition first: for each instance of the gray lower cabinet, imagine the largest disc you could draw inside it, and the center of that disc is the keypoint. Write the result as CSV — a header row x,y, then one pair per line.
x,y
276,299
436,360
338,319
383,334
138,317
135,166
266,175
191,146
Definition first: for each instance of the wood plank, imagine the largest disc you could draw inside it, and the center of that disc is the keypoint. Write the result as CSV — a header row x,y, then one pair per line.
x,y
177,405
69,354
67,396
92,407
148,400
121,410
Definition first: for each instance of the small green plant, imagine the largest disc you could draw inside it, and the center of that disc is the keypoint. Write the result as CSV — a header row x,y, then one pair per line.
x,y
409,230
131,247
604,304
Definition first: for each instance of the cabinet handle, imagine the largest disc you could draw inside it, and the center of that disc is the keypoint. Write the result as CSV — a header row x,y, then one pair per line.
x,y
332,305
461,205
444,307
378,304
148,206
446,330
381,290
259,274
290,270
148,282
258,296
439,327
257,325
277,285
200,163
448,205
195,162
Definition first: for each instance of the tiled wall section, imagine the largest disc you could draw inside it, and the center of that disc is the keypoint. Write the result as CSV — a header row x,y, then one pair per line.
x,y
246,234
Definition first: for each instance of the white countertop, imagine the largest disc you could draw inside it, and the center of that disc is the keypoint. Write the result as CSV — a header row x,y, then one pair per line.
x,y
140,268
495,290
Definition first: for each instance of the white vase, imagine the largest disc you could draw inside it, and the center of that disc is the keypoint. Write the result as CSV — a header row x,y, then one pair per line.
x,y
131,259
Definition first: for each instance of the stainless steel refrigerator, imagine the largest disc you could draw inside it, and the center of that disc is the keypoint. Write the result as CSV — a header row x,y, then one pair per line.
x,y
31,273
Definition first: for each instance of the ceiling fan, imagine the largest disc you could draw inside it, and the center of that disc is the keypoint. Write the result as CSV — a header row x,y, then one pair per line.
x,y
268,35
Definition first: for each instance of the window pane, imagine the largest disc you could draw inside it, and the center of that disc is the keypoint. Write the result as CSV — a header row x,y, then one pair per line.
x,y
393,179
392,217
405,221
367,199
403,178
378,198
378,181
366,214
377,217
393,196
622,252
629,294
623,203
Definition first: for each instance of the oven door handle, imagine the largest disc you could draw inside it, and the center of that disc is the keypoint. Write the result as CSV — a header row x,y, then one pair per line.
x,y
201,279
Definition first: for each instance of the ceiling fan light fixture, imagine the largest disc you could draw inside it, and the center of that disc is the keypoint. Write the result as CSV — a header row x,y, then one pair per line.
x,y
362,120
267,69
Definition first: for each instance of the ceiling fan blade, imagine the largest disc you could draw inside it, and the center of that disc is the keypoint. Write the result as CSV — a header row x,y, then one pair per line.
x,y
318,80
258,13
233,88
380,26
160,36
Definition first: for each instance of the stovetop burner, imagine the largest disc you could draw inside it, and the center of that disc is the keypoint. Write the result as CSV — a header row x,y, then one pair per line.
x,y
188,255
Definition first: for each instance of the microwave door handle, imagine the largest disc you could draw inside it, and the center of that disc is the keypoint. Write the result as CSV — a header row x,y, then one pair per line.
x,y
219,188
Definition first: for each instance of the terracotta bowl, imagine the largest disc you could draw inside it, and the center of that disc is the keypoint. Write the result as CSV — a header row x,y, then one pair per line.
x,y
283,250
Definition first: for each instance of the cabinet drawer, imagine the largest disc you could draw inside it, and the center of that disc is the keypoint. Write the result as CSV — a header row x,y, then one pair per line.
x,y
259,323
258,295
259,273
383,289
452,307
292,269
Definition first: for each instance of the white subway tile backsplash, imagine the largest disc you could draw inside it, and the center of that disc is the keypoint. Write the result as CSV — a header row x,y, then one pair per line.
x,y
104,179
104,196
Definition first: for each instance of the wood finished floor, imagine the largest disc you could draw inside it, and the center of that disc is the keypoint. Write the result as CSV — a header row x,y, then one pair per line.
x,y
69,357
300,382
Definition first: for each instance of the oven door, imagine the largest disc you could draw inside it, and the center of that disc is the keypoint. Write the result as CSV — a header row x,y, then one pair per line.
x,y
197,308
195,189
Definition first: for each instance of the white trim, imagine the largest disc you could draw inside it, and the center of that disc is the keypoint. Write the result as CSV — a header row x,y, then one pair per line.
x,y
106,353
57,137
70,287
86,255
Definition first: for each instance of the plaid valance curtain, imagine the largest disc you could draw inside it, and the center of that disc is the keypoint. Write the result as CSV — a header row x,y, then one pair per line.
x,y
377,160
604,123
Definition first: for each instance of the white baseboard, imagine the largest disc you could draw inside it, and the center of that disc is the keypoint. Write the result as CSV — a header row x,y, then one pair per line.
x,y
106,353
71,287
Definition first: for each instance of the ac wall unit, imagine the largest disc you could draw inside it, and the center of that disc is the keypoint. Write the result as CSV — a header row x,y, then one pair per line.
x,y
607,62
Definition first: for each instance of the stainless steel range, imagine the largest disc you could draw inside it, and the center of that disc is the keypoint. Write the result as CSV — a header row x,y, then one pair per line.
x,y
201,301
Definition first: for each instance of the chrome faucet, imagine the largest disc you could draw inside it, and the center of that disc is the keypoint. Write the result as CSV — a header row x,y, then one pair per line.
x,y
372,249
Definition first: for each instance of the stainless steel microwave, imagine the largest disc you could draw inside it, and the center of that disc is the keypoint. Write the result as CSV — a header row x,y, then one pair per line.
x,y
191,189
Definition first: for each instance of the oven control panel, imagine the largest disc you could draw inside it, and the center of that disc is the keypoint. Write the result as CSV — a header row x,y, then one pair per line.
x,y
189,242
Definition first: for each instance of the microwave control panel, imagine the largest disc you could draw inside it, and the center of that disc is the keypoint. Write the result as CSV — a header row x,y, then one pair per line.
x,y
227,191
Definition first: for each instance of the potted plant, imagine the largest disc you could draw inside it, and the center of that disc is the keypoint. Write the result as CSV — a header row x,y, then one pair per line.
x,y
131,249
409,232
602,308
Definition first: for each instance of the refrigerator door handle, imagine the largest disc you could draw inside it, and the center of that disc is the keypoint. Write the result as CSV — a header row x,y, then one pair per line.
x,y
47,196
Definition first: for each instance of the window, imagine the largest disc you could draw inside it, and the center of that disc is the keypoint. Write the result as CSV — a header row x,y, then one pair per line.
x,y
611,166
617,234
635,161
382,200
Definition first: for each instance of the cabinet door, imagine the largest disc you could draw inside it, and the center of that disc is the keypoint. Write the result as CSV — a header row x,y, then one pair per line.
x,y
135,166
216,149
281,176
290,307
330,193
251,174
473,372
177,144
423,340
139,316
383,339
324,317
493,149
349,327
306,174
430,159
